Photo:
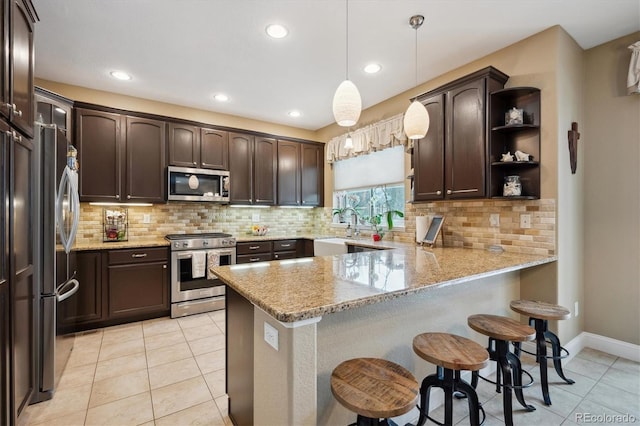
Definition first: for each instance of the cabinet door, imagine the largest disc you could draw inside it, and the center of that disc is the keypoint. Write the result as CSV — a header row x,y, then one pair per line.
x,y
241,168
21,216
214,149
184,145
5,66
311,175
264,177
86,306
145,167
100,155
138,289
428,154
5,354
22,54
465,144
288,173
5,306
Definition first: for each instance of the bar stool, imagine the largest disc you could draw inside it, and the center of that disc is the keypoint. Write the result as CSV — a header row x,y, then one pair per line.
x,y
374,389
501,331
450,353
539,313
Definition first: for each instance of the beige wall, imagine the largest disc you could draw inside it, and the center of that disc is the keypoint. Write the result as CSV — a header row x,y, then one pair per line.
x,y
610,149
131,103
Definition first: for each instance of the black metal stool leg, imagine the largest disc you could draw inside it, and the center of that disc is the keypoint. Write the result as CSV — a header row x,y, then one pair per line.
x,y
502,348
541,357
557,361
516,371
367,421
430,381
472,398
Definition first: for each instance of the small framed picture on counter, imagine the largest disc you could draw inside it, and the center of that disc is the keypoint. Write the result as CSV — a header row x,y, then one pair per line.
x,y
434,229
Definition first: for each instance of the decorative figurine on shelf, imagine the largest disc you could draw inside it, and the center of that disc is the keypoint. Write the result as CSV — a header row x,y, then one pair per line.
x,y
512,186
507,157
513,117
523,156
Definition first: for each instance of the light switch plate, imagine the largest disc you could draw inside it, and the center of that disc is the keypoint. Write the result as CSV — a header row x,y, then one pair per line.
x,y
255,217
525,221
494,220
271,335
146,218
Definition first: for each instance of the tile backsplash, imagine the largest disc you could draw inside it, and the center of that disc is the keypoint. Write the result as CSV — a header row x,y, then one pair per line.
x,y
466,222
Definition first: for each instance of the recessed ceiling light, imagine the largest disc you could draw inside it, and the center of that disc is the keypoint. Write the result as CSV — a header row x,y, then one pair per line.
x,y
221,97
372,68
120,75
276,31
294,113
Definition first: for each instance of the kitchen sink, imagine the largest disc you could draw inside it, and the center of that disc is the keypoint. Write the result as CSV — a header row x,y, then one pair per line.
x,y
330,246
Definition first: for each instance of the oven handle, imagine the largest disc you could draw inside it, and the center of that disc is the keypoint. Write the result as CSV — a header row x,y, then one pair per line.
x,y
185,255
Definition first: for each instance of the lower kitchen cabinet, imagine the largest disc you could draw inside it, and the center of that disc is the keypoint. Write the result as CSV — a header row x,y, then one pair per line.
x,y
85,309
255,251
138,283
284,249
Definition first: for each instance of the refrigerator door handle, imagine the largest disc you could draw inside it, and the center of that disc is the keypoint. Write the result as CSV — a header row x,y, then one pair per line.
x,y
62,294
68,180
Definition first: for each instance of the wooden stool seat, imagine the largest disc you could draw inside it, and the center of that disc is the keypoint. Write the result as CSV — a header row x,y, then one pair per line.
x,y
501,328
450,351
542,310
374,388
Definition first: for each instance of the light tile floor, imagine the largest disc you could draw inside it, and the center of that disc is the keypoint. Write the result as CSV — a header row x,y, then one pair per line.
x,y
171,372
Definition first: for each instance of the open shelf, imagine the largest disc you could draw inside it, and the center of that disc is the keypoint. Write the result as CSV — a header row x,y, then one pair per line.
x,y
515,127
519,197
515,164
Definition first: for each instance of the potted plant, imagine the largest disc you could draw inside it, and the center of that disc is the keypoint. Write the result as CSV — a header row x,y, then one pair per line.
x,y
386,214
342,211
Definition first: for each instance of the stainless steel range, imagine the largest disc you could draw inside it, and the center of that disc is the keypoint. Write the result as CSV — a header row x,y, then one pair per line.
x,y
194,288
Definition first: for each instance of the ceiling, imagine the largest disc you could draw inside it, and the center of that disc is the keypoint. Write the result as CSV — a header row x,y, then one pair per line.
x,y
184,51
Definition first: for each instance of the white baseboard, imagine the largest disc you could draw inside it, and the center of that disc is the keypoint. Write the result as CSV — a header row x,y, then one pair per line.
x,y
604,344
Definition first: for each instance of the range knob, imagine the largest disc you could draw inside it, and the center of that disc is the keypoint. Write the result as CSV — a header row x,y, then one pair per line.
x,y
185,244
205,243
176,244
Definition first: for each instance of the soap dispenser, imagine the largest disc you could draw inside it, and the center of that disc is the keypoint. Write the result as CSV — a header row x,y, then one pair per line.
x,y
349,231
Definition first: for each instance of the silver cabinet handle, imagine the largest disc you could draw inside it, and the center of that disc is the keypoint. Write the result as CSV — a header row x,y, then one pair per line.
x,y
438,192
129,197
117,196
138,255
254,247
254,259
285,245
164,266
460,191
8,106
17,111
448,191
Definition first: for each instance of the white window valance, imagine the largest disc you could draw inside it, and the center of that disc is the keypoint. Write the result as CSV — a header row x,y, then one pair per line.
x,y
373,137
633,79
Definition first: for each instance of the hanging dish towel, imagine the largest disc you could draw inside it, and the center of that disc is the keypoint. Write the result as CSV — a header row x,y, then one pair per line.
x,y
213,260
198,261
633,79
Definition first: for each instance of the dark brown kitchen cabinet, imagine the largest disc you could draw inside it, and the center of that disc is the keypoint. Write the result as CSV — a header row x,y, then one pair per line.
x,y
254,251
288,173
196,147
252,168
300,174
463,132
285,249
5,355
122,158
86,309
138,283
214,149
312,174
18,19
52,108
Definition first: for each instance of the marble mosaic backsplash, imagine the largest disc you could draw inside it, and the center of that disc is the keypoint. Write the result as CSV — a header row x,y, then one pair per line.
x,y
466,222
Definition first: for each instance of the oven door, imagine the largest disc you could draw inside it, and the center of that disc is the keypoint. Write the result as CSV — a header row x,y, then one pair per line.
x,y
184,287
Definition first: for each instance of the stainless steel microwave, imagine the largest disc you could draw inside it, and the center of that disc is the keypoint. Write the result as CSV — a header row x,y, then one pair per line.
x,y
187,184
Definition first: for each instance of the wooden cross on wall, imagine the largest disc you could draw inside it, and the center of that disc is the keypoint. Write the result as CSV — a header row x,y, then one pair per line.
x,y
573,146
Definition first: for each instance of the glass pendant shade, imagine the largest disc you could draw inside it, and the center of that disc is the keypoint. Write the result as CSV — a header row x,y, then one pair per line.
x,y
347,104
348,143
416,121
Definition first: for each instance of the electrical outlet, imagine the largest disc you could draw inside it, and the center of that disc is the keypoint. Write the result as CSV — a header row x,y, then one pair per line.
x,y
494,220
300,216
146,218
576,309
525,221
271,335
255,217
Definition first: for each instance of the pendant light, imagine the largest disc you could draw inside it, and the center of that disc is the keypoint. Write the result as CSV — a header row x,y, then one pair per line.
x,y
347,103
348,142
416,119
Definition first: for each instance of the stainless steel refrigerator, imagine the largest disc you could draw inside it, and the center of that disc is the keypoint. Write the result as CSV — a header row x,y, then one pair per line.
x,y
58,207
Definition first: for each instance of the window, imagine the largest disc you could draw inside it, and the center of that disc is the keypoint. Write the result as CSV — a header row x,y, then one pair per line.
x,y
369,185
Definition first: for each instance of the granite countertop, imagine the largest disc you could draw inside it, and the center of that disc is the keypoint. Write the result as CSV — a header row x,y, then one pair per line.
x,y
111,245
299,289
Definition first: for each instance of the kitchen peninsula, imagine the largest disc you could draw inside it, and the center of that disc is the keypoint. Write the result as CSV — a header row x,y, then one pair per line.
x,y
290,323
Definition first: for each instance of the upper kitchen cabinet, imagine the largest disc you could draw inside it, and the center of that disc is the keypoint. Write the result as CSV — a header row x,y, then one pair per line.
x,y
252,168
52,108
196,147
509,134
18,19
300,174
122,158
464,135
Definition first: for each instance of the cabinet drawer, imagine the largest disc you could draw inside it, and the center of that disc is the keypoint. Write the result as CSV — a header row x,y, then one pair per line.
x,y
284,255
138,255
254,247
284,245
257,257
